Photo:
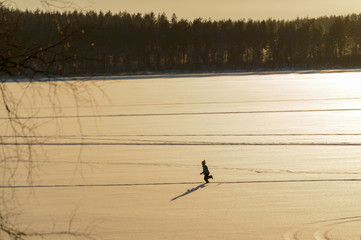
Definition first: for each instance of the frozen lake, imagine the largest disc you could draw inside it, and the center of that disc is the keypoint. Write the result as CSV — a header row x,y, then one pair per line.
x,y
123,160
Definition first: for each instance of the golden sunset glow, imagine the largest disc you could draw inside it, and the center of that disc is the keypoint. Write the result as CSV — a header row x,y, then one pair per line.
x,y
227,9
180,119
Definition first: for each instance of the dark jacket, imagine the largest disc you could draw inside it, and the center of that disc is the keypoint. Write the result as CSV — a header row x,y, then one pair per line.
x,y
205,170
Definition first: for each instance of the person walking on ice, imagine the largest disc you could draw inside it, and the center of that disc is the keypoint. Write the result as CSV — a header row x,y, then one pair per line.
x,y
205,172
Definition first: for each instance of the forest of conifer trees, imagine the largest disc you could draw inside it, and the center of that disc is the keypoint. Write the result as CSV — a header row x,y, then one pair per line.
x,y
125,43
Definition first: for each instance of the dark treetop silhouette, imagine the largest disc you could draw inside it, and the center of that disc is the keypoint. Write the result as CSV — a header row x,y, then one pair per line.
x,y
123,42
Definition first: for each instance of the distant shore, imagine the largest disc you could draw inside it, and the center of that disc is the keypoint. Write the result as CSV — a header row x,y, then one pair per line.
x,y
177,74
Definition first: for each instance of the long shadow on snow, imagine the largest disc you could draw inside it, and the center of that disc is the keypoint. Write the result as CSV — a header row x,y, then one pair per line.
x,y
190,191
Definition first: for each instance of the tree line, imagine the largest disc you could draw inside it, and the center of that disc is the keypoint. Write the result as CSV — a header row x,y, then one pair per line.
x,y
108,43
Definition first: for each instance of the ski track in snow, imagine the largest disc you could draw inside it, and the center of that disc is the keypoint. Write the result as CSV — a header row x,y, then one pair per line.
x,y
324,230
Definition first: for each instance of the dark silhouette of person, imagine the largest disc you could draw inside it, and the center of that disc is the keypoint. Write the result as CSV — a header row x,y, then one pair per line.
x,y
205,172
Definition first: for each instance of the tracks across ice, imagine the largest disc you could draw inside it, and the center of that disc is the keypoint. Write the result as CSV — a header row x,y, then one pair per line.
x,y
327,229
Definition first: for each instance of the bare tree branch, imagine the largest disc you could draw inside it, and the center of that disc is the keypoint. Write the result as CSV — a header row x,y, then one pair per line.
x,y
20,58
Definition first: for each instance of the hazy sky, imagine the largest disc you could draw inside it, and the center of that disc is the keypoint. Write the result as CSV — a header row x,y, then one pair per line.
x,y
217,9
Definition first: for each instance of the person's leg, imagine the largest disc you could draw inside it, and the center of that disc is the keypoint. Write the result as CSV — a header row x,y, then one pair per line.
x,y
206,176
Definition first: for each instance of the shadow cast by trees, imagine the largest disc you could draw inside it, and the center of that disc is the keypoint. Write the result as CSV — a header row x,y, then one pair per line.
x,y
189,191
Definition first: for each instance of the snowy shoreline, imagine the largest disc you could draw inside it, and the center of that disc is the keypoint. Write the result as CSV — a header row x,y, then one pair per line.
x,y
177,74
